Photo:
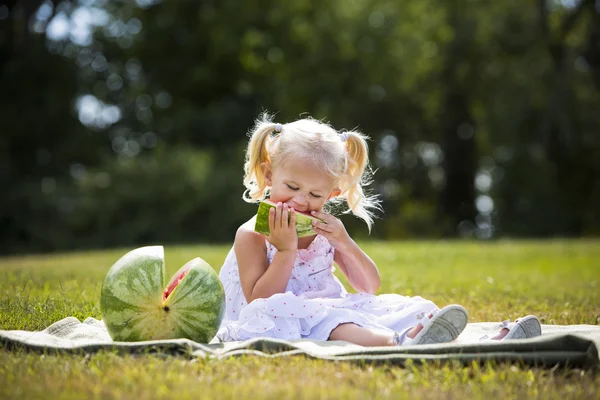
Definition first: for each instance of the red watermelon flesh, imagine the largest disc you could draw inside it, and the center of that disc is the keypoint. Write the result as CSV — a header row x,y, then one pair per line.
x,y
177,278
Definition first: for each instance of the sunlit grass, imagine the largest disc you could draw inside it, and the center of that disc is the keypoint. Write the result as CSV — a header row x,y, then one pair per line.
x,y
557,280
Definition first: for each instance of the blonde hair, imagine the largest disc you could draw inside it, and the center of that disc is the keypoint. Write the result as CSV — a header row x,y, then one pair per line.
x,y
343,156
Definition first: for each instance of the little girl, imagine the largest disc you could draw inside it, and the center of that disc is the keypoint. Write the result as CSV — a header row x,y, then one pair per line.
x,y
282,286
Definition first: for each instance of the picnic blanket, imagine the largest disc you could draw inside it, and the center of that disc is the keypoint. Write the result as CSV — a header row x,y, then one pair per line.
x,y
563,345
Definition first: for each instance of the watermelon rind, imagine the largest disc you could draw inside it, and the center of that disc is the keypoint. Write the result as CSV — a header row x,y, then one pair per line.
x,y
197,304
132,306
303,221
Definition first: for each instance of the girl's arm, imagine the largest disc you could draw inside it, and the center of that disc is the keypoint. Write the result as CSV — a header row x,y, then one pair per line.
x,y
358,268
258,279
356,265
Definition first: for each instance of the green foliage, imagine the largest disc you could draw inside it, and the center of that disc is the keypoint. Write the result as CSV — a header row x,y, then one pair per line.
x,y
130,200
137,200
499,88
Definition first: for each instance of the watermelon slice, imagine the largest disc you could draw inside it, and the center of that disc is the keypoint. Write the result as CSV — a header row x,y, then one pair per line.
x,y
303,220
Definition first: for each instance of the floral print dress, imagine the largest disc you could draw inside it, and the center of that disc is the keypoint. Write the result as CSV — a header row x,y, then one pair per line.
x,y
315,302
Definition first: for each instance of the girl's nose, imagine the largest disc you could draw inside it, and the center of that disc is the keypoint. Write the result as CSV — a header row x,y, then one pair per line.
x,y
300,200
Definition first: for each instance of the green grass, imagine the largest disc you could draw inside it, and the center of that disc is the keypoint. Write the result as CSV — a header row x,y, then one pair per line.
x,y
557,280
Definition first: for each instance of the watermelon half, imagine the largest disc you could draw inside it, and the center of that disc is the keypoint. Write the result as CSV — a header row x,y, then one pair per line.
x,y
136,305
303,220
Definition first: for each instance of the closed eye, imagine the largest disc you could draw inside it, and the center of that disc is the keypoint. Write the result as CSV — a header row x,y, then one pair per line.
x,y
316,196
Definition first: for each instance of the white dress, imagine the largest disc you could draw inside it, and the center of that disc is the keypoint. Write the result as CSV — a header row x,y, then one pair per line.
x,y
314,303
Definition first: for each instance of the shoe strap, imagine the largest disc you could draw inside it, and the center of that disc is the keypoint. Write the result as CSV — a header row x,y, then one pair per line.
x,y
400,338
505,324
425,318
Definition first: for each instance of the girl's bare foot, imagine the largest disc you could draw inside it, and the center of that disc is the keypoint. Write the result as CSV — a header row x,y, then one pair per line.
x,y
501,334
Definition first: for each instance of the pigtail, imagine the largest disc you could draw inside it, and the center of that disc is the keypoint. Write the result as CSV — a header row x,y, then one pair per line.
x,y
357,174
343,156
256,154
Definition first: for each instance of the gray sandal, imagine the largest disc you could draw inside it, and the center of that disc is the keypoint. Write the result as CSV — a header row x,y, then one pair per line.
x,y
523,328
443,326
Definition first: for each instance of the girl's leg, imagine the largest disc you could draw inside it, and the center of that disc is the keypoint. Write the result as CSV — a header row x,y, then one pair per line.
x,y
353,333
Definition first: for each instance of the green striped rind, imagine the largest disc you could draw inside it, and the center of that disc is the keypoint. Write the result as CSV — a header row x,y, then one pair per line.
x,y
197,305
303,222
132,306
131,290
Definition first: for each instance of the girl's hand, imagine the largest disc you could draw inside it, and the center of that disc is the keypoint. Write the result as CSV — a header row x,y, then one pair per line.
x,y
333,229
283,232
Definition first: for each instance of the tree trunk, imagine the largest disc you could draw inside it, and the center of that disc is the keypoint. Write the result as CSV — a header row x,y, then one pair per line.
x,y
575,180
457,199
460,162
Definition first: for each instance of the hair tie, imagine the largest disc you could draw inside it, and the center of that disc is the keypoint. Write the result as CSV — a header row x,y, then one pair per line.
x,y
343,136
278,128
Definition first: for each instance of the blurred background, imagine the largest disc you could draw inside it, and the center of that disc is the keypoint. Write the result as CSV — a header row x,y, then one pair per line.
x,y
124,122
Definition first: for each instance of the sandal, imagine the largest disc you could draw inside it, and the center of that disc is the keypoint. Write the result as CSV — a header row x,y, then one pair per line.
x,y
443,326
523,328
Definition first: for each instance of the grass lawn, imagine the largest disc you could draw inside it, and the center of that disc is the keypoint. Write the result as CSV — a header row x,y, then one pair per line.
x,y
557,280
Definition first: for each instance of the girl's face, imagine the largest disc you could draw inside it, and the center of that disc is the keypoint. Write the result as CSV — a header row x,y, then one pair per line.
x,y
301,185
